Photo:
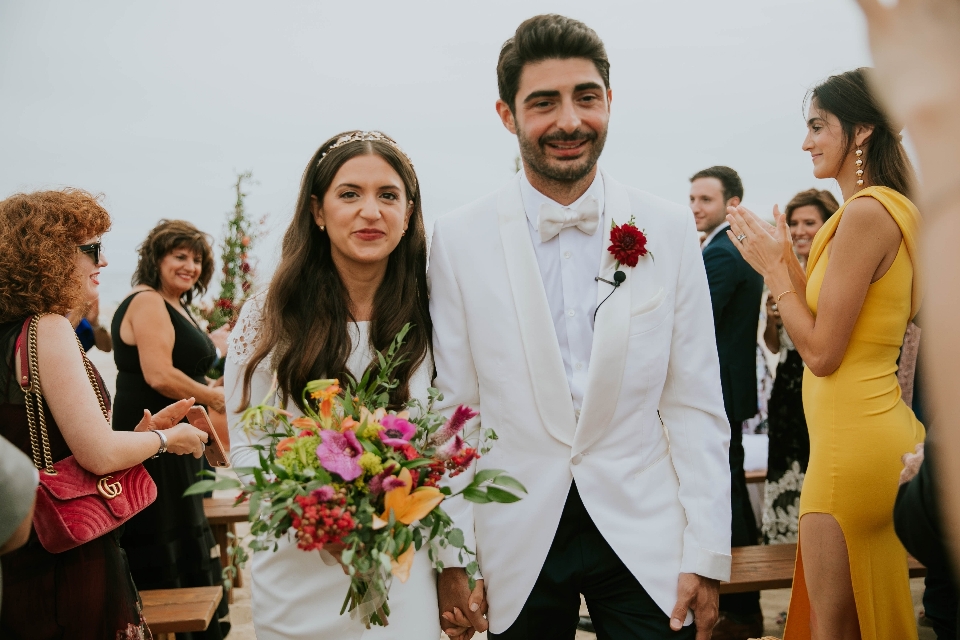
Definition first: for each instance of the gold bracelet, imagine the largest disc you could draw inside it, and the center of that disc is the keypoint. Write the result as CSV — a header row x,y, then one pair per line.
x,y
783,294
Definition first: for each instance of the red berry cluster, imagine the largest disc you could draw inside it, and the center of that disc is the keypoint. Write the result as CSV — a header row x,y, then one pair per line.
x,y
224,303
435,471
460,461
322,522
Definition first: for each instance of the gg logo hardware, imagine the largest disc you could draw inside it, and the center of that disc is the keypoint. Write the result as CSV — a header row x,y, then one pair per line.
x,y
109,490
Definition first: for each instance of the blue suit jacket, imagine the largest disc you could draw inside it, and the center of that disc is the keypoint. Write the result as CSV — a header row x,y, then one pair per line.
x,y
735,290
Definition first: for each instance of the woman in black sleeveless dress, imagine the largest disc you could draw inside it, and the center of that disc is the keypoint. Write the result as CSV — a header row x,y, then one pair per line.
x,y
50,265
789,450
160,353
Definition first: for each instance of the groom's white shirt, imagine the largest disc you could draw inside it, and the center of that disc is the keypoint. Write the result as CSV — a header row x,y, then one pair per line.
x,y
659,492
568,263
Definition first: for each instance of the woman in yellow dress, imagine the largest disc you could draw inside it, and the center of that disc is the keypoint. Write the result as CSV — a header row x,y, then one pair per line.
x,y
847,316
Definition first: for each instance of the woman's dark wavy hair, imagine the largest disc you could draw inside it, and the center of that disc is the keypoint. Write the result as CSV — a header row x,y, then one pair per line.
x,y
307,306
823,200
164,238
848,96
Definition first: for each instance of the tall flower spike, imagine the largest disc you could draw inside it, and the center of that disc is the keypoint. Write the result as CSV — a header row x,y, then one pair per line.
x,y
453,426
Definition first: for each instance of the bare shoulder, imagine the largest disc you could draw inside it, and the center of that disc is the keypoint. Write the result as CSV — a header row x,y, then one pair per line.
x,y
147,301
53,326
56,341
867,218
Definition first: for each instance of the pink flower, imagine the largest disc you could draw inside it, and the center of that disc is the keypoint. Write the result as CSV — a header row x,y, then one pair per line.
x,y
450,448
391,482
376,482
453,426
340,453
396,431
323,494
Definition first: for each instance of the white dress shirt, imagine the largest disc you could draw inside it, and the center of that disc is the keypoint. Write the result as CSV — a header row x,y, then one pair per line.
x,y
569,262
713,234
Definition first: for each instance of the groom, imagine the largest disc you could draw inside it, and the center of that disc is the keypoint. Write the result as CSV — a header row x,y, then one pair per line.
x,y
600,379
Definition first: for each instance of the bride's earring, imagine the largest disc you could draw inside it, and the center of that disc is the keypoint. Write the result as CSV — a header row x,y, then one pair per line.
x,y
859,168
323,228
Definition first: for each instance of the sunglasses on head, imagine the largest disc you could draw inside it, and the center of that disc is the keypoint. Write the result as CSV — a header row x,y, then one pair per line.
x,y
93,249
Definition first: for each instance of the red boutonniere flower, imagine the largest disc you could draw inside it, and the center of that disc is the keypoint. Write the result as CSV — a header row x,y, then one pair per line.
x,y
627,243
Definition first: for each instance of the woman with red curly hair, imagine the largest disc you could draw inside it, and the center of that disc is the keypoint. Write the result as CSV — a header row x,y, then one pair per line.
x,y
49,266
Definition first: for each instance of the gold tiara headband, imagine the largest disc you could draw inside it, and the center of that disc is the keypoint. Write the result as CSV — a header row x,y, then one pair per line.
x,y
364,136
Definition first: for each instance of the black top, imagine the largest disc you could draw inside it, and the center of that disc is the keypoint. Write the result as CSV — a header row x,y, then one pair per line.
x,y
84,593
735,290
193,354
168,543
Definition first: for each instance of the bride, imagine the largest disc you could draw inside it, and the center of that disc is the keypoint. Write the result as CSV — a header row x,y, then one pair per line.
x,y
351,275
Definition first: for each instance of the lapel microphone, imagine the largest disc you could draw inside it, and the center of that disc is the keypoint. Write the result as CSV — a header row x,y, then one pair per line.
x,y
618,279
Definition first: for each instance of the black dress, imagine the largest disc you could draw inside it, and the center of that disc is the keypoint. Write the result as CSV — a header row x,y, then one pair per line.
x,y
170,542
789,452
85,593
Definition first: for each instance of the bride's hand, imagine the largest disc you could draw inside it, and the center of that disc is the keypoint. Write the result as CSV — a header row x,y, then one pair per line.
x,y
762,245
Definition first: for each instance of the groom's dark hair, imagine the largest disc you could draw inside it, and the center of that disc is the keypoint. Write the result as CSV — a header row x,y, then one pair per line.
x,y
546,37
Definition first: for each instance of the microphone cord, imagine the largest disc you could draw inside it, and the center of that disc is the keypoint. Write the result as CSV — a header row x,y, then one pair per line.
x,y
618,279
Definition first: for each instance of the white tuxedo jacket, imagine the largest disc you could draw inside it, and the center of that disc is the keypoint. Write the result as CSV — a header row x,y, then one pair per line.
x,y
659,492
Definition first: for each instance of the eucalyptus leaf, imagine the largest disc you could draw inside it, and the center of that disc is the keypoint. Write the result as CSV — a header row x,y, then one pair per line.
x,y
499,495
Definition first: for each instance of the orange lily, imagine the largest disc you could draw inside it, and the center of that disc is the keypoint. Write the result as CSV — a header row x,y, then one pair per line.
x,y
304,423
284,445
400,567
408,507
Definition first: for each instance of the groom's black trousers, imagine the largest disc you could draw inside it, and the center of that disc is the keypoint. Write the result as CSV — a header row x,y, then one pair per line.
x,y
581,562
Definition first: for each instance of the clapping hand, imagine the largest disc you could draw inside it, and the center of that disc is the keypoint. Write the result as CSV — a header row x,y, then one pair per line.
x,y
761,244
182,438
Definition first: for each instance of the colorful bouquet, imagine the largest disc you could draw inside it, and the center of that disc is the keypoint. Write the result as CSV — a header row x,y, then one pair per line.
x,y
362,482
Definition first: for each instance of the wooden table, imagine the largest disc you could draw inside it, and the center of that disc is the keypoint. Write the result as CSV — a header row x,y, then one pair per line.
x,y
771,567
223,518
170,611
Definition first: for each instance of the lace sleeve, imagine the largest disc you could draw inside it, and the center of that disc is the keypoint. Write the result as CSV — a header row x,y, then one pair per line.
x,y
243,338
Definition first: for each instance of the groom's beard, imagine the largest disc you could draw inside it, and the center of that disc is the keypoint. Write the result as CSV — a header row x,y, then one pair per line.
x,y
535,156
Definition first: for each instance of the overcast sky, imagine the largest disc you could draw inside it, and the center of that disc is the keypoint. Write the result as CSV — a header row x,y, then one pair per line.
x,y
157,105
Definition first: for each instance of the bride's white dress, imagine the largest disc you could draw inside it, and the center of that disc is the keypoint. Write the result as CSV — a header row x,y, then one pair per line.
x,y
297,595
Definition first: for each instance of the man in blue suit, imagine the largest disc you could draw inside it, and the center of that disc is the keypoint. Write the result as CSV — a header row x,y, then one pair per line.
x,y
735,290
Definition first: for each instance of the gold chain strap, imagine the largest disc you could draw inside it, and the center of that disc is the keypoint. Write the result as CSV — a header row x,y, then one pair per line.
x,y
34,400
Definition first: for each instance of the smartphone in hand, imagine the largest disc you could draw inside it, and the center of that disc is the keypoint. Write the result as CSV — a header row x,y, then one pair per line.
x,y
215,453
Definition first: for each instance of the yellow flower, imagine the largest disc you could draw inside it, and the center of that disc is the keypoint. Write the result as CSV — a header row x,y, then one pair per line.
x,y
400,567
407,507
371,463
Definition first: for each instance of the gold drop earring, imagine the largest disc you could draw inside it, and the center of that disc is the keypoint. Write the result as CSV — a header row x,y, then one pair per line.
x,y
859,167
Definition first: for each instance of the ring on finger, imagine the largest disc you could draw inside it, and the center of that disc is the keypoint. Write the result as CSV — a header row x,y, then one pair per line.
x,y
741,237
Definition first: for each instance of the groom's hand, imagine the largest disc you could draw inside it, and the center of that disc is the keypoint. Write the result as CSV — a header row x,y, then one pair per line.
x,y
703,596
461,612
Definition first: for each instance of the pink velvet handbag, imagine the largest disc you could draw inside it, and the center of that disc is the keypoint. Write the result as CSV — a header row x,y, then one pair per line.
x,y
73,505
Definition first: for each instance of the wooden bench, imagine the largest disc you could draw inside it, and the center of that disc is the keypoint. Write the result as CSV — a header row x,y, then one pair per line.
x,y
771,567
170,611
223,518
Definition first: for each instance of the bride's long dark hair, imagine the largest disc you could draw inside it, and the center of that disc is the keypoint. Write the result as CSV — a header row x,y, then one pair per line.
x,y
307,307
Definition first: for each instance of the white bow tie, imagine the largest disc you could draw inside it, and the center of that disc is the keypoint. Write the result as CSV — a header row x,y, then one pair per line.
x,y
553,218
